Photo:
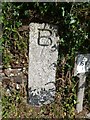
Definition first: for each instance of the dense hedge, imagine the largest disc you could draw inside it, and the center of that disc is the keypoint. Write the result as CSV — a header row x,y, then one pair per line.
x,y
73,20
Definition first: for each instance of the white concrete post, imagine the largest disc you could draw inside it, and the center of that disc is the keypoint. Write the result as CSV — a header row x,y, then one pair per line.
x,y
82,65
43,55
80,94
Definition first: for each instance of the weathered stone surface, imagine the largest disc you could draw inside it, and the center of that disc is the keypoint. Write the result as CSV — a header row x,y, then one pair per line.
x,y
12,72
43,54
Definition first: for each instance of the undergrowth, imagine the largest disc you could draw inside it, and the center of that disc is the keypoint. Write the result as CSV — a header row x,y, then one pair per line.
x,y
73,22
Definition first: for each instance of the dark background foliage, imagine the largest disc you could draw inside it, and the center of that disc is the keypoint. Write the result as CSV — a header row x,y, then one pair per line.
x,y
73,20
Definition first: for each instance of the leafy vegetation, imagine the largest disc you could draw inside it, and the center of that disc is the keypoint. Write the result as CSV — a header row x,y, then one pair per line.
x,y
73,21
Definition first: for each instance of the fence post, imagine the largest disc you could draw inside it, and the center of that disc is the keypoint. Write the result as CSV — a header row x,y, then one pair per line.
x,y
80,94
82,66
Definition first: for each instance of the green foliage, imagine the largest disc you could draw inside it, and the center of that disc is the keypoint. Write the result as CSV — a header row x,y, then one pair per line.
x,y
13,104
9,104
73,21
12,41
